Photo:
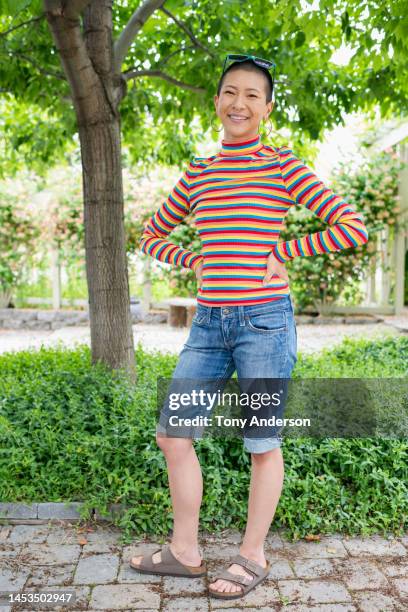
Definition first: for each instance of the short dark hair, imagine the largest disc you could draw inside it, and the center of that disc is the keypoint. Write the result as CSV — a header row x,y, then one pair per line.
x,y
249,66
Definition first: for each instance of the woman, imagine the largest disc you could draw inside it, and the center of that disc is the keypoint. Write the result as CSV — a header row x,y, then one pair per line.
x,y
244,319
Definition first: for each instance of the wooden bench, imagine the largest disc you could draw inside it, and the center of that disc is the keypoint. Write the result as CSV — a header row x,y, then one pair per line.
x,y
181,311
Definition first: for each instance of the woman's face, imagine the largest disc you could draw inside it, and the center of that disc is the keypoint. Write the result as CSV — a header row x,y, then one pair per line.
x,y
241,105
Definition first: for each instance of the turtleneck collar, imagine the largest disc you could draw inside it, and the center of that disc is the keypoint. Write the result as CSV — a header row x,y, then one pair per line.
x,y
243,147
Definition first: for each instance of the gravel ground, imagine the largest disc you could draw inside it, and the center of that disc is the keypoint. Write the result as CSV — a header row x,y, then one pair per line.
x,y
311,337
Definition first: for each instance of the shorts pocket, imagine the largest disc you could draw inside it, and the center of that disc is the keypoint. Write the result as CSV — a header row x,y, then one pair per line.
x,y
267,322
200,318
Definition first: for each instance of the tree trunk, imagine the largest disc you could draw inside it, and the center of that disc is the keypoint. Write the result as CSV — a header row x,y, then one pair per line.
x,y
86,56
105,245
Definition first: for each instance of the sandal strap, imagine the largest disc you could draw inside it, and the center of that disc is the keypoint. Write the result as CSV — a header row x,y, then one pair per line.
x,y
168,557
248,564
147,561
237,578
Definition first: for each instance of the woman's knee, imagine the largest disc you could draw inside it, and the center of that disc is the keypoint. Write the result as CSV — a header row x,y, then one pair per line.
x,y
274,454
173,446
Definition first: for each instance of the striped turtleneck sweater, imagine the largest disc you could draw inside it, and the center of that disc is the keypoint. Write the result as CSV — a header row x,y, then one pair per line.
x,y
240,198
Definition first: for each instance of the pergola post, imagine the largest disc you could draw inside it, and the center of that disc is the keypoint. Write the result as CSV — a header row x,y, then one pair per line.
x,y
372,280
386,266
400,245
147,284
55,278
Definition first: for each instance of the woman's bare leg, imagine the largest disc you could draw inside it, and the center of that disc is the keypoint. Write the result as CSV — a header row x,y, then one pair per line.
x,y
186,490
264,493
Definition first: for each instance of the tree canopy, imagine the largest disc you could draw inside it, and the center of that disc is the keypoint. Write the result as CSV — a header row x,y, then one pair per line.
x,y
171,69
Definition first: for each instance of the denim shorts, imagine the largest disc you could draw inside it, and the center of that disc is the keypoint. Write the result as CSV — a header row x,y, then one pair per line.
x,y
257,341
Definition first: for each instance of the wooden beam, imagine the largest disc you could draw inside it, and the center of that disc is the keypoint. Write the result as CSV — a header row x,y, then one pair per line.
x,y
400,244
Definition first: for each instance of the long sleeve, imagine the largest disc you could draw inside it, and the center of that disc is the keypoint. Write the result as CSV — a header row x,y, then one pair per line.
x,y
347,228
172,212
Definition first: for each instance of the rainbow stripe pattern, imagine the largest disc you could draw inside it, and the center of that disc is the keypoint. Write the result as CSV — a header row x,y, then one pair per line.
x,y
240,198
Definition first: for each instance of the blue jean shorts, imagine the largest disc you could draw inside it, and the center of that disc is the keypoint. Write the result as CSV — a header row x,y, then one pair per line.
x,y
257,341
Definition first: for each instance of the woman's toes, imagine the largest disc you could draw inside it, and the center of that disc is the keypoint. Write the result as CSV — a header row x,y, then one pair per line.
x,y
157,557
230,587
224,586
218,586
136,560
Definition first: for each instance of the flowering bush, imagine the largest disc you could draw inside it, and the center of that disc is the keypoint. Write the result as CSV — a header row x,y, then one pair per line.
x,y
62,222
18,234
372,189
144,195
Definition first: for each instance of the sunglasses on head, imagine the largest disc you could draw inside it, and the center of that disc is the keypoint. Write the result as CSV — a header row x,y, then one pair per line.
x,y
259,61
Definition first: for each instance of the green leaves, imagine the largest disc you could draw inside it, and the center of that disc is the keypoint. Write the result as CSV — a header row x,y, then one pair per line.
x,y
32,136
73,431
13,7
300,37
345,25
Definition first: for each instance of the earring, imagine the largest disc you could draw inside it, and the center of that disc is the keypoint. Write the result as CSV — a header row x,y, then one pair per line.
x,y
270,127
215,129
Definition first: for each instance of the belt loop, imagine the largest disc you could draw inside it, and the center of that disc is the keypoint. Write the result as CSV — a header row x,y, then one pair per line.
x,y
241,315
208,321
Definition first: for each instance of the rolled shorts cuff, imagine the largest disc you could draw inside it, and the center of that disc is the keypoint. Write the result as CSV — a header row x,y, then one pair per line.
x,y
261,445
252,445
195,433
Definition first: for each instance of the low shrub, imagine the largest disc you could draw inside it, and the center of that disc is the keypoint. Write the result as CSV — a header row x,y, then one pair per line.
x,y
70,431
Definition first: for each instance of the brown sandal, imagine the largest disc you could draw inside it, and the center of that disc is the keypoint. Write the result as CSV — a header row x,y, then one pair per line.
x,y
259,573
168,566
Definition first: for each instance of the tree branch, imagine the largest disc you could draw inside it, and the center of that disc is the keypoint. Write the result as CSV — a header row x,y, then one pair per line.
x,y
73,8
134,25
53,7
97,31
132,74
41,70
83,80
189,33
20,25
164,60
70,9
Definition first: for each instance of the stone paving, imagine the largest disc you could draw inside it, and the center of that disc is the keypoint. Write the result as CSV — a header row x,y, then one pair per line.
x,y
311,338
335,574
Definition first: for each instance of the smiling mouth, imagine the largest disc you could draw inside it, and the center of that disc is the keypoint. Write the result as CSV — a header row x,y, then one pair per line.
x,y
237,118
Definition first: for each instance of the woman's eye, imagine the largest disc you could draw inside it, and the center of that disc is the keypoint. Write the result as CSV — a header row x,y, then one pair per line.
x,y
249,96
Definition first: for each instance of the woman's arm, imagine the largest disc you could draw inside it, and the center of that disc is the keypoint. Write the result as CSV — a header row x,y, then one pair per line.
x,y
172,212
347,227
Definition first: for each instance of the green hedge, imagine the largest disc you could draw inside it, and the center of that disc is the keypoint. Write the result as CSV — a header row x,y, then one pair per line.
x,y
70,431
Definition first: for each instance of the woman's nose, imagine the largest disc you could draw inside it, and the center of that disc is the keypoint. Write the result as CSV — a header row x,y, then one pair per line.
x,y
239,103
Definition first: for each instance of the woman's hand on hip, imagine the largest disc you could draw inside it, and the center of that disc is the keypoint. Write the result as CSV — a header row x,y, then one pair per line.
x,y
199,272
274,266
